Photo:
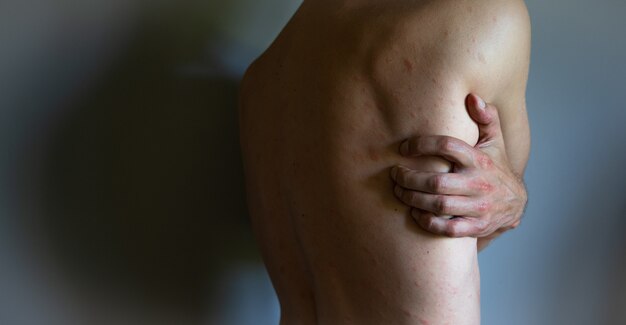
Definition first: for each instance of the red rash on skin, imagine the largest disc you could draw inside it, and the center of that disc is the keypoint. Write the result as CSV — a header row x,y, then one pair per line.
x,y
424,322
483,186
485,162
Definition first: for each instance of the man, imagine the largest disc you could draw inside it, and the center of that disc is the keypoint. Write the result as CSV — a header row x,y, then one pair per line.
x,y
351,89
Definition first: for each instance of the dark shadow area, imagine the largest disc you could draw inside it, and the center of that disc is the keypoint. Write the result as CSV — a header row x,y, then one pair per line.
x,y
143,185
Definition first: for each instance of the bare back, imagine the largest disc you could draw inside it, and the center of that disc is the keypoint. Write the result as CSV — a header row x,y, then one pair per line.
x,y
322,114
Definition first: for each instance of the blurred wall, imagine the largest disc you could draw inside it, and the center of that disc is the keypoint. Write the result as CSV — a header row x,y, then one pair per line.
x,y
121,192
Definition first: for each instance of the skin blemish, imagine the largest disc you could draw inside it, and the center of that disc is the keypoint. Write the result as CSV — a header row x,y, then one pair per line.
x,y
373,155
424,322
408,65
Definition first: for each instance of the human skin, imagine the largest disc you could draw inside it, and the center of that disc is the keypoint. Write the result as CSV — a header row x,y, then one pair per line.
x,y
322,114
484,193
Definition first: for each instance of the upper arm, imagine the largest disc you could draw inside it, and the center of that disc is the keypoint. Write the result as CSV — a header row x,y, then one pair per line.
x,y
511,67
492,55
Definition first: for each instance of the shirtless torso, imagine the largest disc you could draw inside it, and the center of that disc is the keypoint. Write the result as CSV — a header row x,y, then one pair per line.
x,y
322,114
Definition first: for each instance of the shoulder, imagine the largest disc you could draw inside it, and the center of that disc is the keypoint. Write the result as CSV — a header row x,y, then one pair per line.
x,y
487,41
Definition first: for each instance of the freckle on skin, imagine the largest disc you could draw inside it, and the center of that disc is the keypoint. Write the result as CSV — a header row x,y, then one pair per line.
x,y
408,65
373,155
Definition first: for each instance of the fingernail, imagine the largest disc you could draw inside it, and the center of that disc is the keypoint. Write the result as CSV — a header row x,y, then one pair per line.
x,y
481,103
404,148
394,172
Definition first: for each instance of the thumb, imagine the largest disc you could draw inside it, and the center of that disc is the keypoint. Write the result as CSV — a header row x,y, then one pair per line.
x,y
488,120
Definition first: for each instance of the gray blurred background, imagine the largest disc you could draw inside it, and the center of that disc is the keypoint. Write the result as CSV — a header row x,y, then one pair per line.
x,y
121,191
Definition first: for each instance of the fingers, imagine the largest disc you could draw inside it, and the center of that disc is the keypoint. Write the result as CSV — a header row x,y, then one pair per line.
x,y
477,109
487,118
455,227
449,148
448,205
436,183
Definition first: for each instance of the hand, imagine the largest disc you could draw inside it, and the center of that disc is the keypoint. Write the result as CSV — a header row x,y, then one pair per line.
x,y
482,192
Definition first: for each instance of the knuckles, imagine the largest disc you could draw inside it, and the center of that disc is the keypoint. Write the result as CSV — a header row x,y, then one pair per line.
x,y
442,205
484,161
446,144
482,227
410,198
451,232
482,186
484,207
437,183
427,222
403,177
454,230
